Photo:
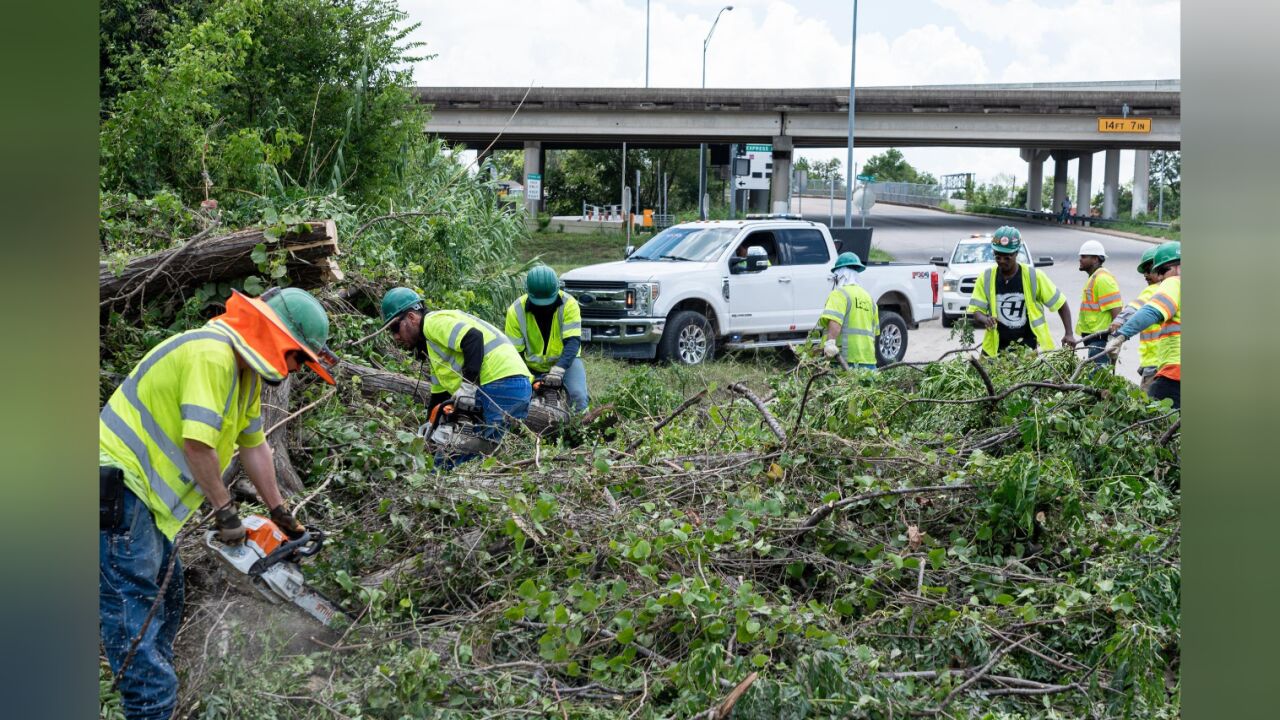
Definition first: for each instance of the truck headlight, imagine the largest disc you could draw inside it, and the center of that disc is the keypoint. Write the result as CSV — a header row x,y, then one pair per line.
x,y
640,298
950,284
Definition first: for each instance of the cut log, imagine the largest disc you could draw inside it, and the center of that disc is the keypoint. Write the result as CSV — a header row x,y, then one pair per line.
x,y
311,247
374,381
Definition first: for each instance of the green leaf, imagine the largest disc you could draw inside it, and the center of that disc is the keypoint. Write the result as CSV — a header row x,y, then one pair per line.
x,y
259,253
626,635
253,285
1003,599
937,557
528,589
640,550
759,660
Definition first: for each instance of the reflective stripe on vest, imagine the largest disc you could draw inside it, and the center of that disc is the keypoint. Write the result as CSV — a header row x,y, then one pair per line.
x,y
447,355
524,331
158,438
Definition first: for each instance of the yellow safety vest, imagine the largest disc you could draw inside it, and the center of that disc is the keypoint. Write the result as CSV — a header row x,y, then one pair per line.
x,y
1147,339
523,330
1100,295
1167,299
859,318
1038,290
187,387
444,330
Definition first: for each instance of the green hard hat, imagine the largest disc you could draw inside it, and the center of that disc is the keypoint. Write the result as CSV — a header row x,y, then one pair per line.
x,y
397,300
1006,239
303,315
1148,255
543,285
1166,253
849,259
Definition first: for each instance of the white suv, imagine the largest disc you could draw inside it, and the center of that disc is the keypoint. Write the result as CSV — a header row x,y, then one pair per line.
x,y
970,257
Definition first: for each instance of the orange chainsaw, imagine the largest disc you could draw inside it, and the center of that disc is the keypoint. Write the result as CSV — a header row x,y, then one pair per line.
x,y
267,562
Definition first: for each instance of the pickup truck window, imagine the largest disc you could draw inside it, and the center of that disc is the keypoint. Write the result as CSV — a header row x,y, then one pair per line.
x,y
805,247
968,253
679,244
765,240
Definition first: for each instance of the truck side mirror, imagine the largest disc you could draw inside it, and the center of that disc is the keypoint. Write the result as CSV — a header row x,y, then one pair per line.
x,y
630,249
938,260
1044,261
757,258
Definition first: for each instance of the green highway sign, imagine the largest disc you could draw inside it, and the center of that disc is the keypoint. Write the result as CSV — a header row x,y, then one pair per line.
x,y
760,148
866,178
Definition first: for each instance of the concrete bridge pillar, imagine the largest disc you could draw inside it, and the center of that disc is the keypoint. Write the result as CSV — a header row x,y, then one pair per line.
x,y
1141,181
1060,160
1084,184
532,165
780,183
1111,185
1035,176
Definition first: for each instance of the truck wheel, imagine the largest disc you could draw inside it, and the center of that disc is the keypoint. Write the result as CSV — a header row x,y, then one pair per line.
x,y
892,344
688,339
949,320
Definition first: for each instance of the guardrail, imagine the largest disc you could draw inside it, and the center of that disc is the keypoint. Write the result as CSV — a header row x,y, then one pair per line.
x,y
1084,220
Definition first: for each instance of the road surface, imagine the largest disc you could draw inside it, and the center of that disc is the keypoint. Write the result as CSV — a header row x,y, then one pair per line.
x,y
915,234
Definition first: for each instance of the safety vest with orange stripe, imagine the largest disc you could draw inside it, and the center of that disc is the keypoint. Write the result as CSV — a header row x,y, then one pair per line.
x,y
1147,339
1100,296
1167,300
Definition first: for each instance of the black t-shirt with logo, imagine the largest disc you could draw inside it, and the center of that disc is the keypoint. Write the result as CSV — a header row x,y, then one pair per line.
x,y
1010,311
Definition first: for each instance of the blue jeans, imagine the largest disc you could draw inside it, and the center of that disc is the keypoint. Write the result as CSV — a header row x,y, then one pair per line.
x,y
1097,345
575,383
132,559
504,401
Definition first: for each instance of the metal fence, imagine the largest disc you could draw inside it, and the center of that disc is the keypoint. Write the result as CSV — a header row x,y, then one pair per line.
x,y
908,193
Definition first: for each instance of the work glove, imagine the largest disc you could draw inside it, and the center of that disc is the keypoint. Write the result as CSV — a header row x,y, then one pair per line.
x,y
465,398
554,377
830,349
1113,345
227,520
287,523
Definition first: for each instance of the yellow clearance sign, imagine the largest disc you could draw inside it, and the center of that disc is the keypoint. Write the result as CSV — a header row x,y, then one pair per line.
x,y
1124,125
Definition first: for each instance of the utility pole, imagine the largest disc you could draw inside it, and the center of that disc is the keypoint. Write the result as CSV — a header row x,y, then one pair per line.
x,y
702,147
646,43
853,66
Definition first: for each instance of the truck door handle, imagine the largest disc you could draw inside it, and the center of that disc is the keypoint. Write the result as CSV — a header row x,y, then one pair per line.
x,y
784,279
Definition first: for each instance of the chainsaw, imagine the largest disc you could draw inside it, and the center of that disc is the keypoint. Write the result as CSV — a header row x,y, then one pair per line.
x,y
267,562
548,409
450,431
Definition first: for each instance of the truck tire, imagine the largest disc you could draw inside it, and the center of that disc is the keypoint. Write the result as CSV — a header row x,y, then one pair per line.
x,y
891,346
688,340
949,320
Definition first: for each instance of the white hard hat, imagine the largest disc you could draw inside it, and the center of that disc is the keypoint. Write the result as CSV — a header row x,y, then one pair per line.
x,y
1093,247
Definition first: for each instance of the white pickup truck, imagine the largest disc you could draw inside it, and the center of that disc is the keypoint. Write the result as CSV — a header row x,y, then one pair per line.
x,y
693,289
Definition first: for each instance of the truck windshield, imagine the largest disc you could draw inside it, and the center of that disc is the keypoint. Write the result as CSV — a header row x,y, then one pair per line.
x,y
686,243
981,253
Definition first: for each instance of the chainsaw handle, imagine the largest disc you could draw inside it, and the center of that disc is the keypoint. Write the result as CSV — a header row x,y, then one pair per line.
x,y
305,546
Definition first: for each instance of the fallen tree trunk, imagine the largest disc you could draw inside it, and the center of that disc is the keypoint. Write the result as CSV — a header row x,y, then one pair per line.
x,y
374,381
311,248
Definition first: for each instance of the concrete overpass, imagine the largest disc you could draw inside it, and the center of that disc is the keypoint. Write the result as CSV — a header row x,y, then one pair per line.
x,y
1041,120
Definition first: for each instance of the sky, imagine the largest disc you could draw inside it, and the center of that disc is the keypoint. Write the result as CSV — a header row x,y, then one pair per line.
x,y
805,43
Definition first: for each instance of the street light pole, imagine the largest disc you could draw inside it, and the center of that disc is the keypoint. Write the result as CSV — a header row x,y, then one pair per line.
x,y
646,43
848,166
702,147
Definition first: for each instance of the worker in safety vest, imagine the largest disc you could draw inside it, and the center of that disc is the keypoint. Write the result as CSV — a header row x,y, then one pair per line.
x,y
1147,338
1009,300
471,360
850,318
1100,301
546,326
165,437
1165,309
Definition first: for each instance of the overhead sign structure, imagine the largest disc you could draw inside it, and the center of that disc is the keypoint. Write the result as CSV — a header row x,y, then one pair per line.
x,y
1124,125
533,187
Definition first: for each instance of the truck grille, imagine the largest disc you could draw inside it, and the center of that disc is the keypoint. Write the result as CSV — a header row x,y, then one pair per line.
x,y
966,285
599,299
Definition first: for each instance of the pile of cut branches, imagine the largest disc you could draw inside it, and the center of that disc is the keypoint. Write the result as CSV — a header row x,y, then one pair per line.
x,y
952,539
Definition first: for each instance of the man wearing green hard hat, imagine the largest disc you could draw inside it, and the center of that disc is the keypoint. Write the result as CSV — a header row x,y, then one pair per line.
x,y
851,319
1164,309
471,360
165,437
1009,300
1147,338
546,326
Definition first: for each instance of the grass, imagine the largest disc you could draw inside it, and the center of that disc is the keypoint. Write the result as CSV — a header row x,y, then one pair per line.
x,y
566,251
754,367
